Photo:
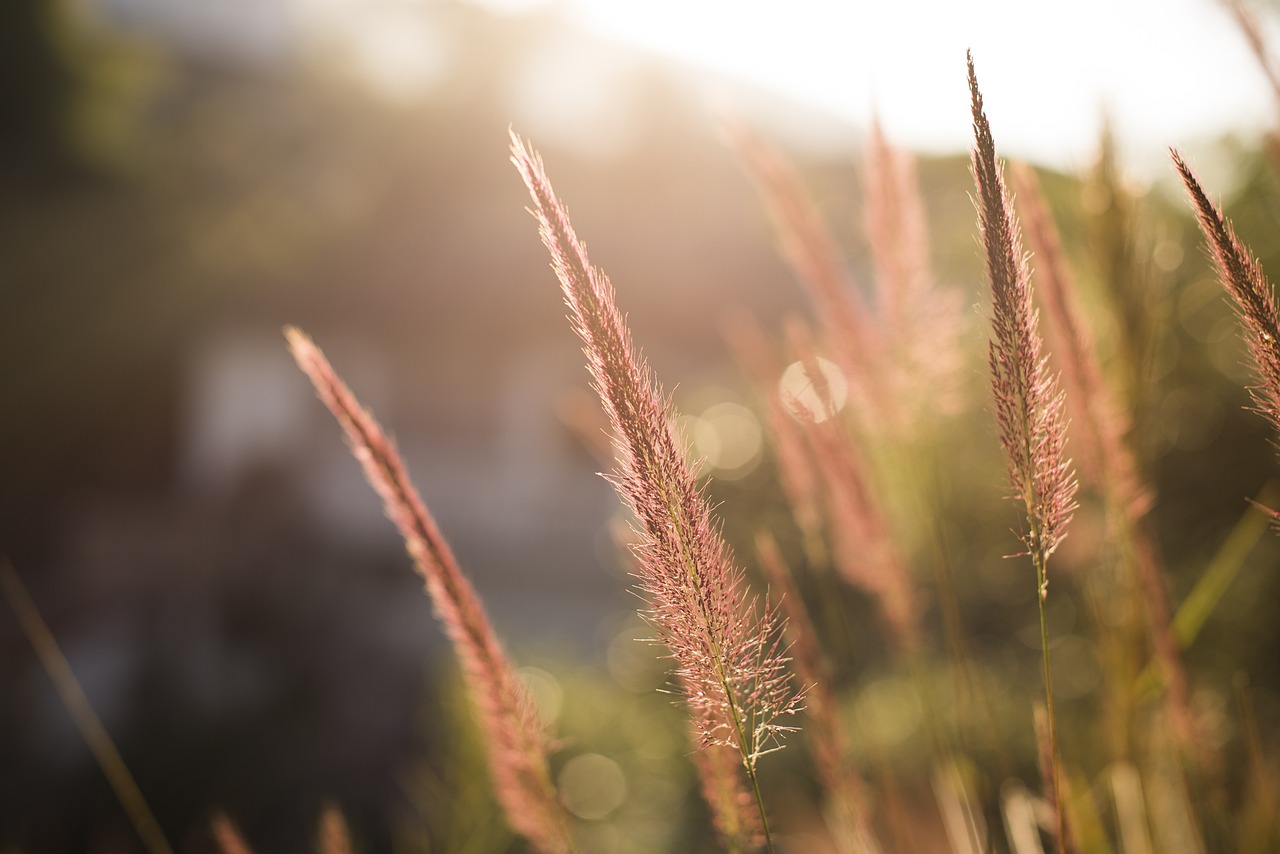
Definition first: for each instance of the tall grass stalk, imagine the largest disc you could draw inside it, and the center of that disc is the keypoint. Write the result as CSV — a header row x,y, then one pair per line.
x,y
922,322
844,788
729,653
1028,403
1101,430
86,720
509,720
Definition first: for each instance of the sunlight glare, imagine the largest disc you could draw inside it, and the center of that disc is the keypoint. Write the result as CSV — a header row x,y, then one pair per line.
x,y
398,53
729,438
592,786
802,400
1049,70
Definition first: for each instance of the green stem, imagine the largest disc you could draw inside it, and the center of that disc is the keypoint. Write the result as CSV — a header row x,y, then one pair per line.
x,y
764,819
1042,577
748,760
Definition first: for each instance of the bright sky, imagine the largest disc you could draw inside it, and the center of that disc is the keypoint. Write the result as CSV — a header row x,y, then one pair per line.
x,y
1171,72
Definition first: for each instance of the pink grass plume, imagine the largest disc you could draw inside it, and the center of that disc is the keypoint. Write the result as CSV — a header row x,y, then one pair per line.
x,y
1252,295
1028,404
922,323
863,548
509,723
332,834
1111,463
1100,424
728,652
797,474
812,252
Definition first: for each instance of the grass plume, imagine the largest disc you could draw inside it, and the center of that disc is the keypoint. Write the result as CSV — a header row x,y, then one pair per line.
x,y
813,254
1252,295
1101,431
863,549
728,651
921,322
1028,404
797,474
509,720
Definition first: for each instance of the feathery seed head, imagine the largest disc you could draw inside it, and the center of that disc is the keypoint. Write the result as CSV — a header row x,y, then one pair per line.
x,y
1252,295
1102,424
727,649
1028,404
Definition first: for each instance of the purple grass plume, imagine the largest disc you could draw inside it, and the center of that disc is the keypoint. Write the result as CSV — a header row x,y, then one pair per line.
x,y
729,653
1028,404
514,736
1252,295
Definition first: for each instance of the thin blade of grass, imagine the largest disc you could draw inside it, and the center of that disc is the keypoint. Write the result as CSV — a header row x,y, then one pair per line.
x,y
1222,570
86,720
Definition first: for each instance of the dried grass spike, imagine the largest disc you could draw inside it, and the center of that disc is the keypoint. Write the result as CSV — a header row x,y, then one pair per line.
x,y
1028,404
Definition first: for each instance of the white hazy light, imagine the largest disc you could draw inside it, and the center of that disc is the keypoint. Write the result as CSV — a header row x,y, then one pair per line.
x,y
592,786
729,438
802,399
1048,69
400,54
889,710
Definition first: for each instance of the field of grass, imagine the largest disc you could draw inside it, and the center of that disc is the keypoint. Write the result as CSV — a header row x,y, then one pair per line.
x,y
992,584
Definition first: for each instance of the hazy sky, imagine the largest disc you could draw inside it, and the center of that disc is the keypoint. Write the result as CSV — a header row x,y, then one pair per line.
x,y
1170,72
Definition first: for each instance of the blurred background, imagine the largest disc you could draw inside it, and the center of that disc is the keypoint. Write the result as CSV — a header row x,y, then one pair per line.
x,y
179,179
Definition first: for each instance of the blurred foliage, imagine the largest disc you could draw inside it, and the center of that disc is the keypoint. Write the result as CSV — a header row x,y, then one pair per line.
x,y
71,96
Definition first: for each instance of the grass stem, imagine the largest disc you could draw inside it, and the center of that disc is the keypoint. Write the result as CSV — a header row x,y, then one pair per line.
x,y
1055,773
86,720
